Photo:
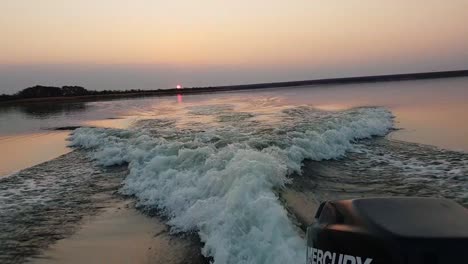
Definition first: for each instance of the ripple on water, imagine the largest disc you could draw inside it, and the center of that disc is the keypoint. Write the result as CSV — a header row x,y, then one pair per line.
x,y
381,167
42,204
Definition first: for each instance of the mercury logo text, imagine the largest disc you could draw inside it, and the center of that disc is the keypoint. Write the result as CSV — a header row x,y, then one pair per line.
x,y
318,256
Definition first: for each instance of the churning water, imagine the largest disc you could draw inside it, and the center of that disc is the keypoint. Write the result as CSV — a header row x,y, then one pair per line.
x,y
217,170
220,168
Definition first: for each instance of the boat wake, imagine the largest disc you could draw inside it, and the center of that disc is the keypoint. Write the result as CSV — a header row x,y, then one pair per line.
x,y
245,176
217,171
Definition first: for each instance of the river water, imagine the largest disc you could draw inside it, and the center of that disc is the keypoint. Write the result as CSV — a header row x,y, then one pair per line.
x,y
242,170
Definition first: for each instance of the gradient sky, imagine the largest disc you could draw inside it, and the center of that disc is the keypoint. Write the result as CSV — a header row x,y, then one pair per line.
x,y
150,44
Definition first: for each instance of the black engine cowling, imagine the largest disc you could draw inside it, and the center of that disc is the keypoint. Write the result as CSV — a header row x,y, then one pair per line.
x,y
389,231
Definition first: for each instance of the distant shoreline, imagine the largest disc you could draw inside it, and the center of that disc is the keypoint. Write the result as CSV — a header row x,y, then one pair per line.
x,y
214,89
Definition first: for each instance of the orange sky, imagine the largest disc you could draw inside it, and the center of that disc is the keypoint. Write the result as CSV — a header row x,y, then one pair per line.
x,y
260,33
222,32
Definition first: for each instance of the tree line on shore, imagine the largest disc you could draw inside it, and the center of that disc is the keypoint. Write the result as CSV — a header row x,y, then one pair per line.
x,y
40,91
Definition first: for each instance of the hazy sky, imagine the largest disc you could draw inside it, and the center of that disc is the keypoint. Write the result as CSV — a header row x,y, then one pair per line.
x,y
149,44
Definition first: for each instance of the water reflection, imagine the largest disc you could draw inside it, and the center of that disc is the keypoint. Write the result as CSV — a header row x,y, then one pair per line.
x,y
34,117
22,151
46,109
429,111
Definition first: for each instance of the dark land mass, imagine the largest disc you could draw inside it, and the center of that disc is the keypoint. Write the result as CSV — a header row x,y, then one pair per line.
x,y
50,93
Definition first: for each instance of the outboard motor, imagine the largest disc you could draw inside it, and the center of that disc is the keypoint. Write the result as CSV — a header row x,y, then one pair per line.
x,y
389,231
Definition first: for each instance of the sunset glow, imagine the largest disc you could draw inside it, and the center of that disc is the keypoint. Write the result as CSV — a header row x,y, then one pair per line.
x,y
237,32
226,123
216,42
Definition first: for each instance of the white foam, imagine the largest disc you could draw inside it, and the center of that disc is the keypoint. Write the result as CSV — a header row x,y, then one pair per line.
x,y
219,179
415,169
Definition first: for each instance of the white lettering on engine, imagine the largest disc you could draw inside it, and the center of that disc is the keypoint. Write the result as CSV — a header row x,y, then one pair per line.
x,y
318,256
